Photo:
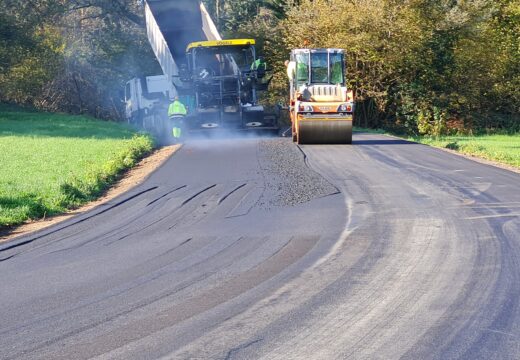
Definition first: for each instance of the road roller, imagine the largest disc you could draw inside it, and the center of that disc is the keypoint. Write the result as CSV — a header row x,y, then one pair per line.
x,y
321,107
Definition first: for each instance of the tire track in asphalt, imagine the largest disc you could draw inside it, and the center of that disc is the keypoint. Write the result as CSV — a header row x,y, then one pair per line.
x,y
417,258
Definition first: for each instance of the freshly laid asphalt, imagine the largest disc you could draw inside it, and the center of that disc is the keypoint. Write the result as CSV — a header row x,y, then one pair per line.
x,y
254,248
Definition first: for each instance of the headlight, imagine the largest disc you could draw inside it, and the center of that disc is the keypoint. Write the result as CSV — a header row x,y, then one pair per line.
x,y
345,107
305,108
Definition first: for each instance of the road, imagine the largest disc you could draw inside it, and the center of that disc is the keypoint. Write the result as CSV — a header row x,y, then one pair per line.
x,y
259,249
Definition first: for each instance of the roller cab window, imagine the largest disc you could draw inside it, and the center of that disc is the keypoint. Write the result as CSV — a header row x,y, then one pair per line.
x,y
302,69
327,68
337,67
319,68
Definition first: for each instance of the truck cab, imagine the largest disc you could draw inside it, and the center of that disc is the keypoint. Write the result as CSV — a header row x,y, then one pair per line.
x,y
145,96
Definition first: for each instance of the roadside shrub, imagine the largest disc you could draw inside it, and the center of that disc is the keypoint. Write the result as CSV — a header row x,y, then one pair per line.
x,y
452,146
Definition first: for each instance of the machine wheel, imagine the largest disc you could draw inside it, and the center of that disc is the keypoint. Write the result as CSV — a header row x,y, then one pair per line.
x,y
299,139
349,138
325,132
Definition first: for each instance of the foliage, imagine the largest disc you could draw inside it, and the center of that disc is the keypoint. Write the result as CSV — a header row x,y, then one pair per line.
x,y
73,56
53,162
418,66
30,56
232,15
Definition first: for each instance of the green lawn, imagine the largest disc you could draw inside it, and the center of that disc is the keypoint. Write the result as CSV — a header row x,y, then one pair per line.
x,y
53,162
501,148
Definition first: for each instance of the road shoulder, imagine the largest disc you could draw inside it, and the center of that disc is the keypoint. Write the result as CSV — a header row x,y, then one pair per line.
x,y
467,156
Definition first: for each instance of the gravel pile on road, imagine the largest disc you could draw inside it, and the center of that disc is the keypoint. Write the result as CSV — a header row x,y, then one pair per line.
x,y
289,181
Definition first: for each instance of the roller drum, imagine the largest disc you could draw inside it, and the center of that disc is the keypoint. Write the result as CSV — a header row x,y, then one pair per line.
x,y
325,132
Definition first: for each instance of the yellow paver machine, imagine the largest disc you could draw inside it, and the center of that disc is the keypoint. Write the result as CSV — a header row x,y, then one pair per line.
x,y
321,107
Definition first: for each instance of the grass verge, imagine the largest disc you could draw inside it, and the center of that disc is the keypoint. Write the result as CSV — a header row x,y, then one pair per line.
x,y
500,148
53,162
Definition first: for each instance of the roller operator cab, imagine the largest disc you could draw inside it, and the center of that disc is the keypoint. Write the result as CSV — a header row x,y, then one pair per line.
x,y
321,107
222,80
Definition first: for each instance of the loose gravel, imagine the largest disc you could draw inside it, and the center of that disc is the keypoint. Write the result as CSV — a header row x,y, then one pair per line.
x,y
289,181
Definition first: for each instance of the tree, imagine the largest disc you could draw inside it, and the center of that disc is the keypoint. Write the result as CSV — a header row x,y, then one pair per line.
x,y
72,56
30,52
419,64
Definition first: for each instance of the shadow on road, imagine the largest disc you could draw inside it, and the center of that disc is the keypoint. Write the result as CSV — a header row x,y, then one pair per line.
x,y
382,142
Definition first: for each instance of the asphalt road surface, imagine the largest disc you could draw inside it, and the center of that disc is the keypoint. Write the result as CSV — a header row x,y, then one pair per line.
x,y
259,249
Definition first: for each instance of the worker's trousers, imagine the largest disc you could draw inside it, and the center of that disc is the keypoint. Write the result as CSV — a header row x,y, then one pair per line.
x,y
177,126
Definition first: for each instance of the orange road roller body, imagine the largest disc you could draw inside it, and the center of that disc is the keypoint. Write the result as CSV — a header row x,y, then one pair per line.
x,y
321,107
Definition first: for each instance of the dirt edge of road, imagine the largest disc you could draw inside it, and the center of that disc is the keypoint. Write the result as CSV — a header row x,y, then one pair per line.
x,y
130,179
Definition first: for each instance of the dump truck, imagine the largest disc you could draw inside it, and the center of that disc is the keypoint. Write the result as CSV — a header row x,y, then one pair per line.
x,y
214,78
321,107
170,26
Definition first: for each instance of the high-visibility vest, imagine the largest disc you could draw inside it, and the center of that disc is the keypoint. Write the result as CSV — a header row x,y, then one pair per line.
x,y
177,108
258,64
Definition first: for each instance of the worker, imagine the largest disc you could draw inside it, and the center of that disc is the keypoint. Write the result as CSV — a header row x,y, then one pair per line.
x,y
259,64
262,79
177,112
291,69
